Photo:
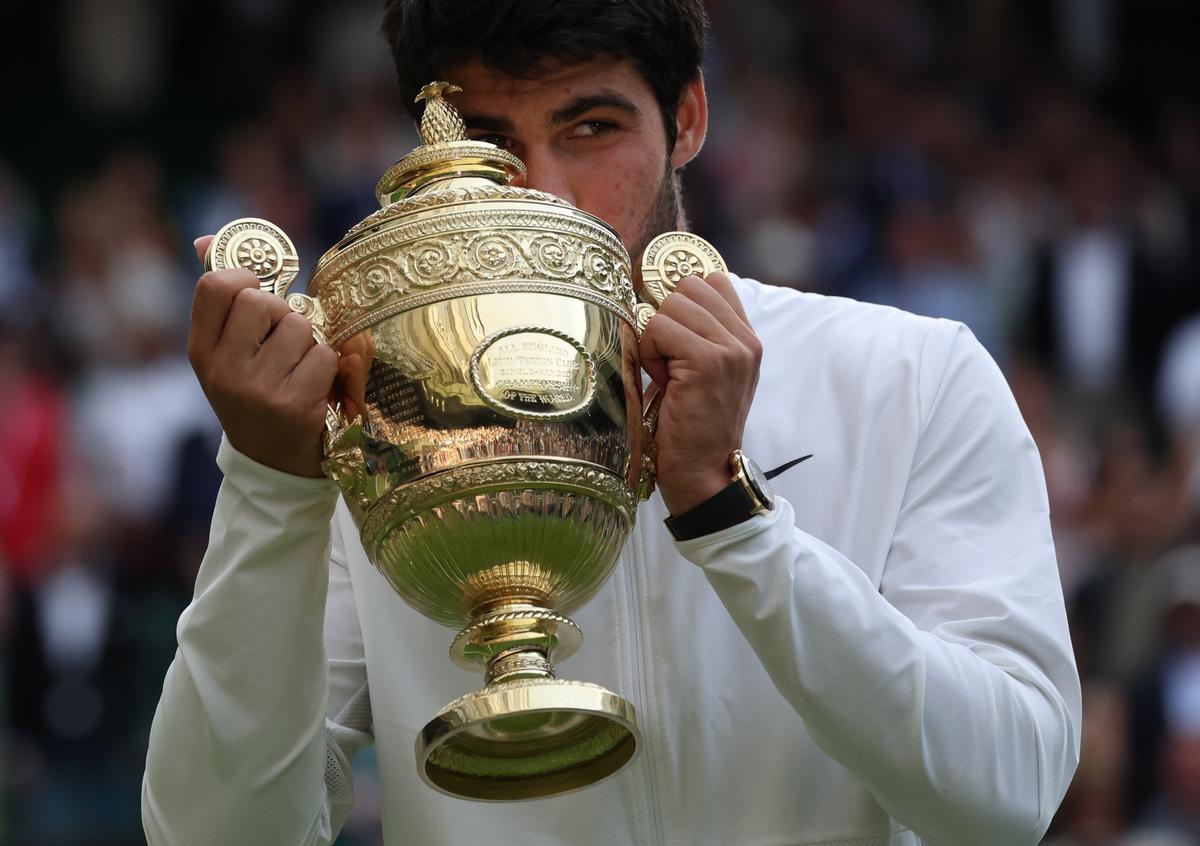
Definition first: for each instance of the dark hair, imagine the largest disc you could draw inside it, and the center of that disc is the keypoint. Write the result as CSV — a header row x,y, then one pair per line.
x,y
664,39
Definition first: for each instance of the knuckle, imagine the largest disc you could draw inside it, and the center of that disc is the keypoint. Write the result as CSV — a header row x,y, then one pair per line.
x,y
674,306
220,281
207,282
325,358
252,297
209,287
296,322
239,277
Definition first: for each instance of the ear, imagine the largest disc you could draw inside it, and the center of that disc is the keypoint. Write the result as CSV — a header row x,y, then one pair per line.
x,y
691,119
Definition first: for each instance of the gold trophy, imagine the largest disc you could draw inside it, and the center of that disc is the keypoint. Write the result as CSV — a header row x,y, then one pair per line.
x,y
491,442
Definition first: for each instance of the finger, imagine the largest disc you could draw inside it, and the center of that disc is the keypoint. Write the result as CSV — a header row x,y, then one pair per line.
x,y
668,340
723,285
314,375
716,293
684,306
252,316
284,347
350,385
211,305
201,245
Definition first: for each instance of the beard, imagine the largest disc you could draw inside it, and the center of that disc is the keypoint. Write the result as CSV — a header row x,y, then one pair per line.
x,y
665,213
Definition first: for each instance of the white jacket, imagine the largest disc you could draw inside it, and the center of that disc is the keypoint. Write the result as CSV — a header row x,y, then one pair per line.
x,y
883,659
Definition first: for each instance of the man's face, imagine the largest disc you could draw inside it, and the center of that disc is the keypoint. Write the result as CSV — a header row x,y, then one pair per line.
x,y
590,133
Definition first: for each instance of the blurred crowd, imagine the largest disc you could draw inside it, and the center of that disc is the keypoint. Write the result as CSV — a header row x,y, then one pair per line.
x,y
1029,168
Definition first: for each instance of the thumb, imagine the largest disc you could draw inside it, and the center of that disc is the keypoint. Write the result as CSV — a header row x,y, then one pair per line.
x,y
201,245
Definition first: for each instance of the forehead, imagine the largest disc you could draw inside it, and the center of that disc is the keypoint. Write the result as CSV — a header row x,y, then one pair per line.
x,y
491,92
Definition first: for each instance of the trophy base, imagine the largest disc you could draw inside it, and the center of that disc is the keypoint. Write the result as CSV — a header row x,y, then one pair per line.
x,y
527,738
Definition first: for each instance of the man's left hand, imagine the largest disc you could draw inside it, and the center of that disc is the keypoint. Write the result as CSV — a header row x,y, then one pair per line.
x,y
702,353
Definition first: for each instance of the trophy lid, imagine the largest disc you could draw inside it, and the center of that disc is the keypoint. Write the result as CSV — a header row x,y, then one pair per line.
x,y
445,153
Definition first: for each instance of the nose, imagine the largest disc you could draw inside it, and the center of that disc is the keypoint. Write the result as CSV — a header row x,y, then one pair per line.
x,y
547,173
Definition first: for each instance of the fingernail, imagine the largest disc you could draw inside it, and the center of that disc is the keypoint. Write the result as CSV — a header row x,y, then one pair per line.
x,y
196,243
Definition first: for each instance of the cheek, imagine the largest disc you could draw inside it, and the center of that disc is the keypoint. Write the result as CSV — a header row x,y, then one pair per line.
x,y
623,193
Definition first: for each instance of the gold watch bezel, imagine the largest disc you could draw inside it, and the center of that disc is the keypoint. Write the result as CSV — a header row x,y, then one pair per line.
x,y
749,475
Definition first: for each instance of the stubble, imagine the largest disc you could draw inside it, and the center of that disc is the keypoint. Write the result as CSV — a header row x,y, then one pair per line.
x,y
665,214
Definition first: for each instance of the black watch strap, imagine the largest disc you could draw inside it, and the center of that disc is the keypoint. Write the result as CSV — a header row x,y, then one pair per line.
x,y
728,507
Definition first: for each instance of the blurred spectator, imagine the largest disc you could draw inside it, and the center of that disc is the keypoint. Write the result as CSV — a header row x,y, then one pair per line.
x,y
1094,813
928,270
32,435
1135,511
115,53
1178,399
1165,725
1086,288
20,300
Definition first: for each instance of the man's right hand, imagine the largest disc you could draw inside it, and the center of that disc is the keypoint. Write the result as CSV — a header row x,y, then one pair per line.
x,y
266,378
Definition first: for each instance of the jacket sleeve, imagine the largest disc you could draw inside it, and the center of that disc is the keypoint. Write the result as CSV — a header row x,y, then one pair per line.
x,y
266,700
949,690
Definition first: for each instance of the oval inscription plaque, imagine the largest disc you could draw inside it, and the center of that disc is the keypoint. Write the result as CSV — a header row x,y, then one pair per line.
x,y
534,373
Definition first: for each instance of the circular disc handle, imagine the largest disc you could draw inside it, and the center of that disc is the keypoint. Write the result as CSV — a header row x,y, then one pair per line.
x,y
672,256
259,246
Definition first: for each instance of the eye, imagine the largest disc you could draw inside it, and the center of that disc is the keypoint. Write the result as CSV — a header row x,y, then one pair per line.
x,y
501,141
592,129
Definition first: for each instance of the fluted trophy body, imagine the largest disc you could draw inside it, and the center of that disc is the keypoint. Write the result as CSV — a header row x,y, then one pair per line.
x,y
490,440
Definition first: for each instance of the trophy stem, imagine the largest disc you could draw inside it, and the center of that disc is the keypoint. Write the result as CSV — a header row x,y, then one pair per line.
x,y
516,640
519,663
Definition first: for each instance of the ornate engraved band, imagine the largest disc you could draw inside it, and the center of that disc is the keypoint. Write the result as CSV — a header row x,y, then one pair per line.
x,y
501,217
445,250
574,476
518,664
378,315
417,237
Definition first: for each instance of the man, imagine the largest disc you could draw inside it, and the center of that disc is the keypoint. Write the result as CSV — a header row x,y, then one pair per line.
x,y
880,658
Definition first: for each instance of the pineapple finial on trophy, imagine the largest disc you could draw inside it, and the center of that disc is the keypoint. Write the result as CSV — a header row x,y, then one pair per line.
x,y
446,157
440,122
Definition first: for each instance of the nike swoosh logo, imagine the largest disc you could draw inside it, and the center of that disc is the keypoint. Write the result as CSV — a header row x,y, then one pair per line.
x,y
771,474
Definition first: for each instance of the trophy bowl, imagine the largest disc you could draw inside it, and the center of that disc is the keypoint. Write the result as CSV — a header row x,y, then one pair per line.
x,y
490,440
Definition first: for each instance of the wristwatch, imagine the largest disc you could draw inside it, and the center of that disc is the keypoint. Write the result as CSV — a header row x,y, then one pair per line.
x,y
748,494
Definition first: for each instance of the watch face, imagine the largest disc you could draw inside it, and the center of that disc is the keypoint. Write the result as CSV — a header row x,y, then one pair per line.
x,y
758,483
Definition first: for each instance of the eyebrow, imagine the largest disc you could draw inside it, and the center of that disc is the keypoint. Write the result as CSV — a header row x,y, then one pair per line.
x,y
488,123
584,103
581,105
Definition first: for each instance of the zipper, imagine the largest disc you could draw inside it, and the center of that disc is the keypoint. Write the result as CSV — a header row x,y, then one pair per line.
x,y
636,552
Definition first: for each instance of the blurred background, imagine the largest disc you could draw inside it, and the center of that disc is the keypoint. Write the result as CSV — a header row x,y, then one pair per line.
x,y
1030,167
